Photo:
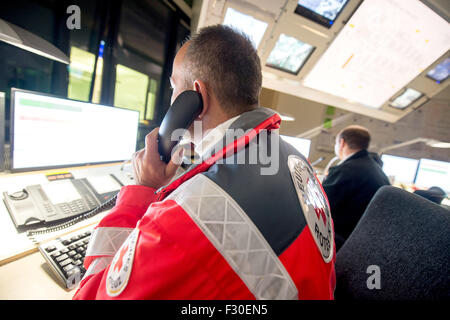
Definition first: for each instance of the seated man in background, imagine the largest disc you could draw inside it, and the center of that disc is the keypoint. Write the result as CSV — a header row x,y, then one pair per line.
x,y
351,185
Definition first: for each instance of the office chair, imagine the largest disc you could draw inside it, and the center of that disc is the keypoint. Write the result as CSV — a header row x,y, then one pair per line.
x,y
399,250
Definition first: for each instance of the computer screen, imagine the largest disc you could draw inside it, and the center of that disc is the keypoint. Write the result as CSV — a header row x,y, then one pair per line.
x,y
406,98
289,54
323,12
433,173
50,132
301,144
441,72
403,170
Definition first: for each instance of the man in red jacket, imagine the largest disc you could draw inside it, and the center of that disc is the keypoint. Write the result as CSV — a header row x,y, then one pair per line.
x,y
223,228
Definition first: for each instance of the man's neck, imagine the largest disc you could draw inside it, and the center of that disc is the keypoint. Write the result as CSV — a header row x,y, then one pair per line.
x,y
348,154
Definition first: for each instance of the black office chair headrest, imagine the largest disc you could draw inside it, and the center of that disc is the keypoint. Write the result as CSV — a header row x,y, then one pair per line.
x,y
408,239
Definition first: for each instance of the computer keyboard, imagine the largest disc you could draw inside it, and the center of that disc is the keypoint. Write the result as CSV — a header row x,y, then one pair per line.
x,y
65,256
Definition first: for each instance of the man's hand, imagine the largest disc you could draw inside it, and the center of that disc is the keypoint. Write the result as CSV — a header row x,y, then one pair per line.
x,y
148,169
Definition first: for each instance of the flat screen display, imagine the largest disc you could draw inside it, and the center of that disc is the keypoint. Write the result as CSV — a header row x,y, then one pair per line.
x,y
402,170
433,173
49,132
406,99
440,72
301,144
289,54
323,12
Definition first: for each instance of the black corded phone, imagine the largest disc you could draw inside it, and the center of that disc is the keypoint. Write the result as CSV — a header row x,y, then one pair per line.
x,y
181,114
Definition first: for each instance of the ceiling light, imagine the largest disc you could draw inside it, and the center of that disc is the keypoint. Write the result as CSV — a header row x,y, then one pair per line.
x,y
379,51
254,28
28,41
289,54
439,144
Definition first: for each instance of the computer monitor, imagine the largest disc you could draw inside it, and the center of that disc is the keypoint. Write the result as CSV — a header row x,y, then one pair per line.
x,y
323,12
403,170
50,132
301,144
433,173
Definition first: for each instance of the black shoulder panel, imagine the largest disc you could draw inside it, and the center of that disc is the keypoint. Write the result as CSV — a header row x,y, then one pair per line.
x,y
270,201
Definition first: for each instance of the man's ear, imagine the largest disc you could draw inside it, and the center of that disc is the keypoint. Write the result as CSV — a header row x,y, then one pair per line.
x,y
200,87
341,143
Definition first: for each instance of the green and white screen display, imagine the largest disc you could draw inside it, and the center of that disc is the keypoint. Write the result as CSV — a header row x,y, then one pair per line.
x,y
54,132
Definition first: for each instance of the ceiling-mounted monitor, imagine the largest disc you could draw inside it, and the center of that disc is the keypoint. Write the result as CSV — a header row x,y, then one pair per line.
x,y
323,12
383,47
401,169
254,28
289,54
404,100
441,72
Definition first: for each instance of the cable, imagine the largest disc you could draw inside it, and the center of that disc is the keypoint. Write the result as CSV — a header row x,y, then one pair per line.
x,y
107,205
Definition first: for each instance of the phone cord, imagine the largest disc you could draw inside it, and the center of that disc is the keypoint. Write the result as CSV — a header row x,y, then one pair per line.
x,y
104,206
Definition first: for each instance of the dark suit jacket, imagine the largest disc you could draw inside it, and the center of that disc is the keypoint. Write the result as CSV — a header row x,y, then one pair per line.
x,y
349,187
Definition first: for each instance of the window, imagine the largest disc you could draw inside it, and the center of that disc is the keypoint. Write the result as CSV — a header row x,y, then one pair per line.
x,y
81,69
151,100
131,89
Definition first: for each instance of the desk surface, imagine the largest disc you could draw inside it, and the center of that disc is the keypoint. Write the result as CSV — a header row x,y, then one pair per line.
x,y
30,278
24,274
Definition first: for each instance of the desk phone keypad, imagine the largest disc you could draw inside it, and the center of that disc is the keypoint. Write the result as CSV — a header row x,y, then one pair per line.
x,y
65,256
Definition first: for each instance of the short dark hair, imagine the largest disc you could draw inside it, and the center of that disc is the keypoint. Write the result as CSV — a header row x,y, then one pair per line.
x,y
226,60
356,137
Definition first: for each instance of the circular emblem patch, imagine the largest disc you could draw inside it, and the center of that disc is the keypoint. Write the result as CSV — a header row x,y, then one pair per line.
x,y
314,205
120,268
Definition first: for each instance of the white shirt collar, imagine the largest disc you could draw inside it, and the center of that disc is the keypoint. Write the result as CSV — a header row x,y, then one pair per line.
x,y
210,139
213,137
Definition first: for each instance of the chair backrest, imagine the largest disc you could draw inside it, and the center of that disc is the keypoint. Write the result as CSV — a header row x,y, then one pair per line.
x,y
399,250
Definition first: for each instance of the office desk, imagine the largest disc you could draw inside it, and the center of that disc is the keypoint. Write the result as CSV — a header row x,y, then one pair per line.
x,y
24,273
30,278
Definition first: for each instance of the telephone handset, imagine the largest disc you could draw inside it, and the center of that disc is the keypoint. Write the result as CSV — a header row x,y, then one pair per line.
x,y
184,110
